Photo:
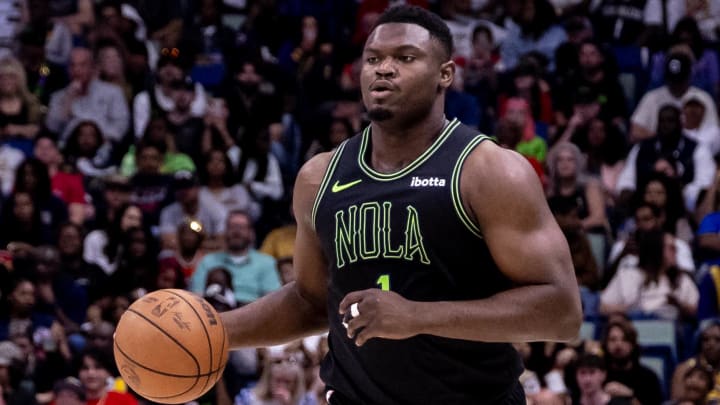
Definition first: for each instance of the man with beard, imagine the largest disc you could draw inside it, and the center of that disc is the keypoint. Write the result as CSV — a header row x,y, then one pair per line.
x,y
708,358
593,74
251,100
626,377
253,273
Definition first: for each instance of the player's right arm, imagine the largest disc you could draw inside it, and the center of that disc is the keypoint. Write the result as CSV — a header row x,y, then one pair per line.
x,y
299,308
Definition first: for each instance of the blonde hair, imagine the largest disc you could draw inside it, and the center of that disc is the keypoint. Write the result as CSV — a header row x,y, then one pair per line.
x,y
12,66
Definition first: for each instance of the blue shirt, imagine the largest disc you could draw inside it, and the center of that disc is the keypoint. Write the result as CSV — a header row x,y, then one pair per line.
x,y
252,276
710,224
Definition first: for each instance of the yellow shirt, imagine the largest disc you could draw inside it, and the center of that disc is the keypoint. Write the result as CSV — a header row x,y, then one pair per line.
x,y
280,242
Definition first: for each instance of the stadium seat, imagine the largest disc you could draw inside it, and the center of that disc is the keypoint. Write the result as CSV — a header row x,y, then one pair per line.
x,y
657,332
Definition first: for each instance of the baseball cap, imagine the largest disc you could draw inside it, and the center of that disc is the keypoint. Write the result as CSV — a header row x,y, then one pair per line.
x,y
677,67
71,384
183,179
9,352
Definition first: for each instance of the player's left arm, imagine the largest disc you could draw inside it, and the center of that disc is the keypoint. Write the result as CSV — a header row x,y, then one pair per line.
x,y
501,191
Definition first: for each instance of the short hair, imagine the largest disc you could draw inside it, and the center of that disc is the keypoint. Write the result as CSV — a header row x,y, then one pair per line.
x,y
424,18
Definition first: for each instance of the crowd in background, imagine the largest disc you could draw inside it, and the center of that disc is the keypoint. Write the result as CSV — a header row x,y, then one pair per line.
x,y
154,144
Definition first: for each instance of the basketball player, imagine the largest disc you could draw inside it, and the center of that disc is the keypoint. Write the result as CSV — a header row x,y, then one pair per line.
x,y
432,244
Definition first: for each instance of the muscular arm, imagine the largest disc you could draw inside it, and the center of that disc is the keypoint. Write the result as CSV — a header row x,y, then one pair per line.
x,y
299,308
502,191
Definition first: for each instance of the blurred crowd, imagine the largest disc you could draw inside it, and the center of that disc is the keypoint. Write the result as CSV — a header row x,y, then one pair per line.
x,y
154,144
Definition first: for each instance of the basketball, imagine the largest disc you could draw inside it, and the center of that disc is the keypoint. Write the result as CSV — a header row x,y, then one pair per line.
x,y
170,346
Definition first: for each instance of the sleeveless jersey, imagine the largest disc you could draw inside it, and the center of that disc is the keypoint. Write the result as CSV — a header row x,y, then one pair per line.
x,y
407,232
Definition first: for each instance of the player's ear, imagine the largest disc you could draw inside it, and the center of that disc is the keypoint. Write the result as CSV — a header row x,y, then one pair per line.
x,y
447,74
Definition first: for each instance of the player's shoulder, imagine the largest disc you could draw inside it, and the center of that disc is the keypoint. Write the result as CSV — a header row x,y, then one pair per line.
x,y
314,169
307,184
491,164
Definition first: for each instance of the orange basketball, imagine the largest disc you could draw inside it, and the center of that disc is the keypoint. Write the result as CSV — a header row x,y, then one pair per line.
x,y
170,346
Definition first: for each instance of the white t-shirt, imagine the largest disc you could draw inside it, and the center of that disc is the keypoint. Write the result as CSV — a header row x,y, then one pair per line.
x,y
646,113
683,255
628,287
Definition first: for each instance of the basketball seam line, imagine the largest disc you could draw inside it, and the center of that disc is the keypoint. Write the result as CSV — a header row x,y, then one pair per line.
x,y
177,342
164,372
207,334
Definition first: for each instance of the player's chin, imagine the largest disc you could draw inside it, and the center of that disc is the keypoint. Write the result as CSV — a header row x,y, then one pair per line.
x,y
380,114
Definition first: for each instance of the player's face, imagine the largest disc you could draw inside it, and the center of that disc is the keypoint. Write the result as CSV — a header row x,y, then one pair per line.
x,y
402,72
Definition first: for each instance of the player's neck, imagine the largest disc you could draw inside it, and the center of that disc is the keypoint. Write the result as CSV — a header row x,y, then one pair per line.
x,y
393,147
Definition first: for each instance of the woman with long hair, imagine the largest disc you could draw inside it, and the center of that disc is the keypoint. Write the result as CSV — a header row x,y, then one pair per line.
x,y
217,177
33,177
20,111
105,247
655,286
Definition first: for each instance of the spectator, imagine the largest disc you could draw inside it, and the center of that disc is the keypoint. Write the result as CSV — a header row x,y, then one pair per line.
x,y
693,114
11,373
191,205
282,381
169,274
626,377
20,111
590,375
596,73
253,273
672,153
187,129
69,391
665,193
251,99
33,178
480,76
526,82
627,24
158,133
20,312
111,57
89,276
87,151
158,99
150,188
656,286
644,120
88,98
686,38
338,130
648,217
136,264
517,112
96,368
218,184
65,185
104,247
21,223
685,386
509,133
531,26
258,169
113,194
190,238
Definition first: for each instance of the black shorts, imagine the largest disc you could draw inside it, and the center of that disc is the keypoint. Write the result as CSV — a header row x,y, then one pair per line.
x,y
515,396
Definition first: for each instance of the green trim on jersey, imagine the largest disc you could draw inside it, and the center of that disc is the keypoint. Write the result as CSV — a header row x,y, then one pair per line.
x,y
325,180
415,163
455,186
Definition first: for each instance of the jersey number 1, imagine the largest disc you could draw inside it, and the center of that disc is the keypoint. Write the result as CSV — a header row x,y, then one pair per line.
x,y
384,282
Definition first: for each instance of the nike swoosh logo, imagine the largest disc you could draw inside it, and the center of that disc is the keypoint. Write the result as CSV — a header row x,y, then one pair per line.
x,y
337,187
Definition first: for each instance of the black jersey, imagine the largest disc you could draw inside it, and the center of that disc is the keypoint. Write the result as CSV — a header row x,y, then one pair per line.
x,y
408,232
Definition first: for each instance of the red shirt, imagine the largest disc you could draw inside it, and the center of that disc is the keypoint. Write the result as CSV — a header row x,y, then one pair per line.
x,y
68,187
114,398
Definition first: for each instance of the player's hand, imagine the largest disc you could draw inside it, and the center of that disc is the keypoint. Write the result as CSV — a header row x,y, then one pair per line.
x,y
382,314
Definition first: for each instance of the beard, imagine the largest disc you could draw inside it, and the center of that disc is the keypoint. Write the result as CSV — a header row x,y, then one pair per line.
x,y
380,114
